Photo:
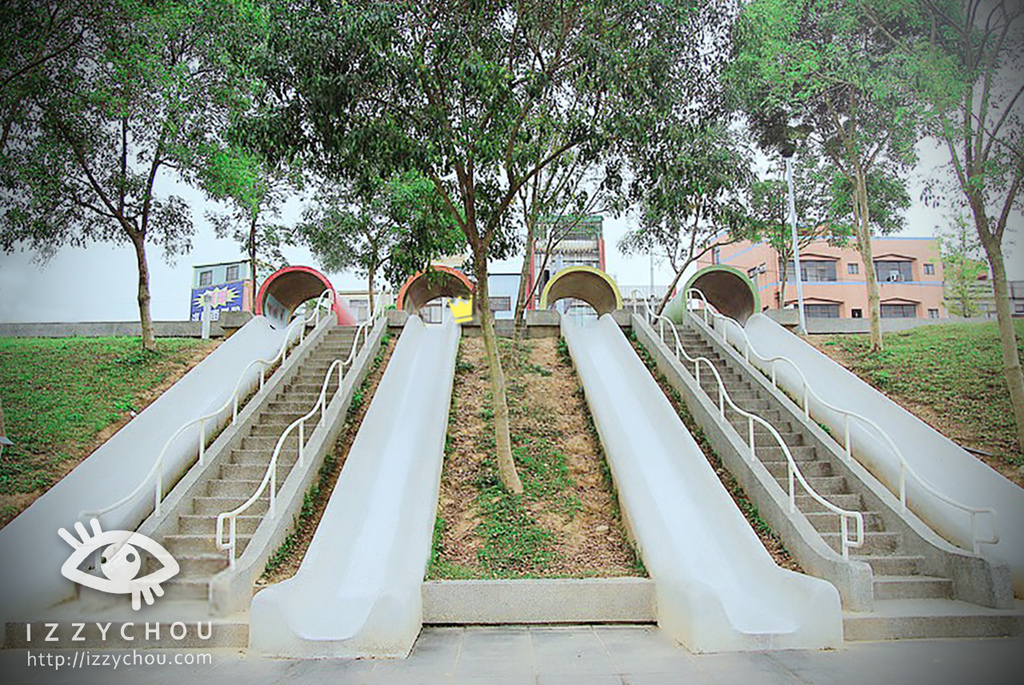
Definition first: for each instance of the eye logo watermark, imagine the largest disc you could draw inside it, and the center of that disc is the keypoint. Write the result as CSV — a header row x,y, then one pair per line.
x,y
120,562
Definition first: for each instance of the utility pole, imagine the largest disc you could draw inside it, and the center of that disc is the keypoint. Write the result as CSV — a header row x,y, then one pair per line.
x,y
802,327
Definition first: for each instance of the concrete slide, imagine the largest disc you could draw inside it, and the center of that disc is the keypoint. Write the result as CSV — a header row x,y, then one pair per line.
x,y
946,466
31,552
717,588
357,592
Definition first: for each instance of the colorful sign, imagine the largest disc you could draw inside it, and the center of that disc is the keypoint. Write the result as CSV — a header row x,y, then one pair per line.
x,y
227,297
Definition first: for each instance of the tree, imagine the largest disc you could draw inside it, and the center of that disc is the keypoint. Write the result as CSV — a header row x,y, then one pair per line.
x,y
770,221
962,267
554,204
255,191
470,94
138,93
396,225
37,35
692,190
812,67
967,58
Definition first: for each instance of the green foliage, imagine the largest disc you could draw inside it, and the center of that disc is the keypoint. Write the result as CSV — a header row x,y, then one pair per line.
x,y
59,393
954,370
962,267
311,501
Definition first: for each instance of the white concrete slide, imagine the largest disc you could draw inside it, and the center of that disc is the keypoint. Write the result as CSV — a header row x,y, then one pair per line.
x,y
358,590
943,464
31,552
717,588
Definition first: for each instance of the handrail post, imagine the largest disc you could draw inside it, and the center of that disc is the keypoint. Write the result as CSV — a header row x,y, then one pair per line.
x,y
844,529
302,443
202,441
903,485
792,487
158,493
273,488
721,399
846,436
807,401
775,383
231,551
750,428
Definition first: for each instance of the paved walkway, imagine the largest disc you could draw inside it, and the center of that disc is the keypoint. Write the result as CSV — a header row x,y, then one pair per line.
x,y
604,655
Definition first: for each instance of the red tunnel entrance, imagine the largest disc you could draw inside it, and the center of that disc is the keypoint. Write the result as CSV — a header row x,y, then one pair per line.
x,y
286,289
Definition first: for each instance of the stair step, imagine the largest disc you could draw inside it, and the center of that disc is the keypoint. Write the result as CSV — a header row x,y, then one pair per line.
x,y
250,471
899,619
807,504
801,453
828,522
216,505
266,443
192,545
890,565
768,440
184,589
240,489
196,524
810,469
875,542
195,566
912,587
827,485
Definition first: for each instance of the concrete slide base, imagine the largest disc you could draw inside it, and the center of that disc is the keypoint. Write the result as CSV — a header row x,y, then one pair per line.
x,y
717,587
357,592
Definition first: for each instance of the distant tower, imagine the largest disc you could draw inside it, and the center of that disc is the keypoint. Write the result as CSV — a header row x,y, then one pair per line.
x,y
579,241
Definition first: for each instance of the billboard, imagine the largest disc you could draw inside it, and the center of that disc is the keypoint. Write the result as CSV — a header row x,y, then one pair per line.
x,y
226,297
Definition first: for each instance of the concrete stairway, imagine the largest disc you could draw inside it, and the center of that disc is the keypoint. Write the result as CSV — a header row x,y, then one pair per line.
x,y
907,602
190,535
234,480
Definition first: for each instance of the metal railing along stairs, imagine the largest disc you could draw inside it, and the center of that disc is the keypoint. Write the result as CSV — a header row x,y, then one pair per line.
x,y
240,390
795,475
696,296
320,405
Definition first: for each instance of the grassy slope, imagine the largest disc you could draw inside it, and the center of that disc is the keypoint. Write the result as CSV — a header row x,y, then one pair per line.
x,y
60,394
950,375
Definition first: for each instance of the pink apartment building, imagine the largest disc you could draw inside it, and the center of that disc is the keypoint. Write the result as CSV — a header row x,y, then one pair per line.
x,y
909,271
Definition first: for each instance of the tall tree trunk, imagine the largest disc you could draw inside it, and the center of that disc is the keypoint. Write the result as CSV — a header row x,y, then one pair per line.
x,y
369,285
252,250
499,402
146,321
784,269
1007,334
668,291
862,220
524,291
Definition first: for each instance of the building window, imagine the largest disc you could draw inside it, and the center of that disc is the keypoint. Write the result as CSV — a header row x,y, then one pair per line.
x,y
752,273
501,303
933,313
899,311
1018,309
929,269
716,255
205,278
232,273
813,271
853,269
857,313
893,271
821,311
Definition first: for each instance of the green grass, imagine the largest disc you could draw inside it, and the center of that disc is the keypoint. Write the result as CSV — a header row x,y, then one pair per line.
x,y
59,393
515,544
956,370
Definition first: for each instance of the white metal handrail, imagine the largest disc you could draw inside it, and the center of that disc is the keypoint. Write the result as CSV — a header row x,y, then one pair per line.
x,y
157,470
808,392
270,476
794,474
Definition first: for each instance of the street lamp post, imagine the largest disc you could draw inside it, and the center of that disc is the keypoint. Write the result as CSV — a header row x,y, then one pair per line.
x,y
802,327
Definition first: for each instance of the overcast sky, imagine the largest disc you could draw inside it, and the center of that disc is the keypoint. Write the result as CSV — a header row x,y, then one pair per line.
x,y
99,283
